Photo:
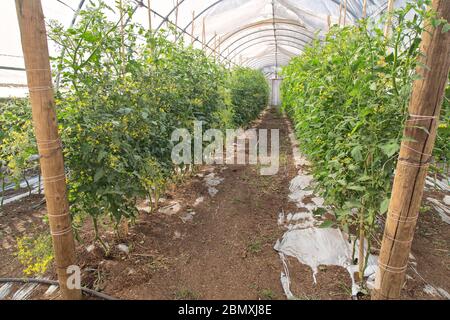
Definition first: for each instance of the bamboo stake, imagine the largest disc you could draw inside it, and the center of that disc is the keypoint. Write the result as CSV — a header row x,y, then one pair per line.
x,y
215,46
329,22
414,159
345,13
193,27
176,12
149,3
340,13
37,64
203,34
365,9
388,25
122,37
218,48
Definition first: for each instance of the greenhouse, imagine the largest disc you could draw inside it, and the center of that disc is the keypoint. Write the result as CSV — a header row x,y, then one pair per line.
x,y
225,150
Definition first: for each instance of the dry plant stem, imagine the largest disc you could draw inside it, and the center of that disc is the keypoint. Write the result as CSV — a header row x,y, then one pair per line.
x,y
37,64
361,257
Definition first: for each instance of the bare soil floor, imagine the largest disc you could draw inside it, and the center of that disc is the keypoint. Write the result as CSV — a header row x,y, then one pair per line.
x,y
221,248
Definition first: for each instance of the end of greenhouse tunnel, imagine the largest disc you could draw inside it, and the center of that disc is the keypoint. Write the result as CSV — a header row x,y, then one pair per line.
x,y
259,34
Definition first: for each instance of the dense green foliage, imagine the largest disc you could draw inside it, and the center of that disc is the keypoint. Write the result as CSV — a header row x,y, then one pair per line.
x,y
250,91
117,109
17,142
348,98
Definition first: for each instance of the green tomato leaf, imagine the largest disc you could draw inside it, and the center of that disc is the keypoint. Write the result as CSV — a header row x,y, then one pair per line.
x,y
384,206
327,224
390,149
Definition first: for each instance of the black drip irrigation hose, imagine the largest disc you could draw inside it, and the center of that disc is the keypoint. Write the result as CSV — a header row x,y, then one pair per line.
x,y
55,283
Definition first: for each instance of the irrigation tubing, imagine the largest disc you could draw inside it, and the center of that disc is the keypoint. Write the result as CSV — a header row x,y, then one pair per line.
x,y
55,283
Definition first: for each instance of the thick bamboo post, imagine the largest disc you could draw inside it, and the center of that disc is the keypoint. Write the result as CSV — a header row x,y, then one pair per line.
x,y
365,9
414,159
37,64
388,25
149,3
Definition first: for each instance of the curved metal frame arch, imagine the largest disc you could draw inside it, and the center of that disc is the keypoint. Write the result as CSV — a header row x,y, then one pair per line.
x,y
301,43
140,3
258,64
262,37
263,30
166,18
288,43
266,66
268,57
266,22
283,42
253,60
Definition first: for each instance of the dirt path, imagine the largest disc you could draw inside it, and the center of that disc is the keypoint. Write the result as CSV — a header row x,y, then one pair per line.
x,y
216,246
226,251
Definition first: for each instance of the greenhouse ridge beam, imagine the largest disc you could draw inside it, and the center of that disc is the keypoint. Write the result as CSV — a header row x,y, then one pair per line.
x,y
275,37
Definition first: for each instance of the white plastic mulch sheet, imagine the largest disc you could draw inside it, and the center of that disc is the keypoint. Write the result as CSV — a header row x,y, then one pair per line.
x,y
310,244
442,207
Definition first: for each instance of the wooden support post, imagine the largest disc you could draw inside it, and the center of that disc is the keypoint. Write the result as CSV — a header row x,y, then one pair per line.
x,y
364,13
329,22
388,25
149,7
340,13
345,12
37,64
414,159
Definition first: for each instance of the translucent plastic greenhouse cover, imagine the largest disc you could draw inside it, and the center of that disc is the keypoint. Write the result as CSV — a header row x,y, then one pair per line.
x,y
261,34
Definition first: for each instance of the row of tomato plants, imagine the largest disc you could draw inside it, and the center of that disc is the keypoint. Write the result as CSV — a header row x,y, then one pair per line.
x,y
121,95
348,97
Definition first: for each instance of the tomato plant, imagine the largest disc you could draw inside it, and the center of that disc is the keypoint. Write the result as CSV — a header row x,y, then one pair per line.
x,y
17,142
117,112
348,97
250,92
